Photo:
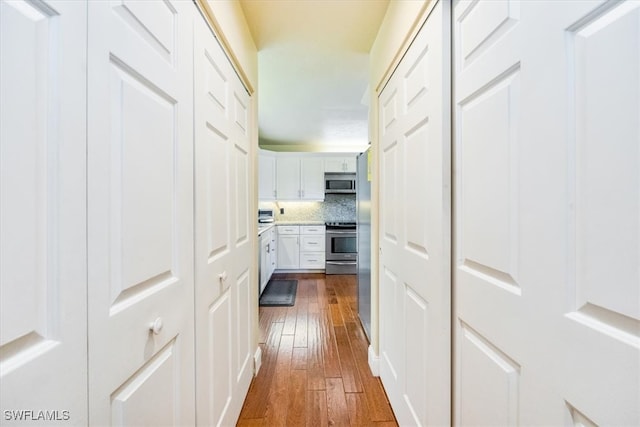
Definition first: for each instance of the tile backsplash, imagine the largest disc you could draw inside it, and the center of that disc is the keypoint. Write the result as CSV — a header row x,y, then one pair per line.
x,y
335,207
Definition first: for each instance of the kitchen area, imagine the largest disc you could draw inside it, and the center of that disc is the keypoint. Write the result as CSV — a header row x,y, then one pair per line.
x,y
308,216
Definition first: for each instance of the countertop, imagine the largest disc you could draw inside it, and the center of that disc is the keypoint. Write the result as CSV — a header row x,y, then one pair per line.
x,y
299,222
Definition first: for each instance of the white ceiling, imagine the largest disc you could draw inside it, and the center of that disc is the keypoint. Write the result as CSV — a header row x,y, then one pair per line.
x,y
313,70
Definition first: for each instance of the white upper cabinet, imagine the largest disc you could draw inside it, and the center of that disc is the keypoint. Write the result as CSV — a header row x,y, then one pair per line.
x,y
288,178
350,164
267,177
312,178
299,178
340,164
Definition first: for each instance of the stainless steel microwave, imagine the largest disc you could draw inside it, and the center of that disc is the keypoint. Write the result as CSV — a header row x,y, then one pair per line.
x,y
340,183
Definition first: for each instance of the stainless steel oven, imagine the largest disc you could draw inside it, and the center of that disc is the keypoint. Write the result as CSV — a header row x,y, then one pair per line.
x,y
341,248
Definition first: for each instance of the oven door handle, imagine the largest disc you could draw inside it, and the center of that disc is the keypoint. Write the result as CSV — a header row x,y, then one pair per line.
x,y
340,232
341,262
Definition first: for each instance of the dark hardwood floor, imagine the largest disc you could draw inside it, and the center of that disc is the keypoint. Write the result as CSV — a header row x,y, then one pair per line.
x,y
314,361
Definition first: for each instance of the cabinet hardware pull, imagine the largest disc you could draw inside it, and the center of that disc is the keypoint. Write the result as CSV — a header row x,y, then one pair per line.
x,y
156,326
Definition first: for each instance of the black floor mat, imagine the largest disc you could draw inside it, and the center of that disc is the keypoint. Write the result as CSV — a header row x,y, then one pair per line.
x,y
279,293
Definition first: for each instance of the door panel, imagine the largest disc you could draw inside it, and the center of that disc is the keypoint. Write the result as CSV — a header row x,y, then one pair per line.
x,y
417,352
219,380
389,169
241,182
391,341
144,261
547,224
215,148
415,211
137,403
243,362
140,212
224,307
488,372
603,210
43,285
488,235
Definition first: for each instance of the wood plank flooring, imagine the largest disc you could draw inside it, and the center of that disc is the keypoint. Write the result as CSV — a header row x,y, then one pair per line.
x,y
314,361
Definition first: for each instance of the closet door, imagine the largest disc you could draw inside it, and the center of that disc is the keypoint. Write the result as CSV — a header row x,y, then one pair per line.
x,y
415,211
547,143
140,222
43,334
226,291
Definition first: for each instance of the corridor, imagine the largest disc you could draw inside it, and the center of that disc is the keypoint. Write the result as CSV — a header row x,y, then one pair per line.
x,y
314,362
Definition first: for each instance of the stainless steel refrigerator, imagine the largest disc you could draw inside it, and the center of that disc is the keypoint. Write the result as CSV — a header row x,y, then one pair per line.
x,y
363,214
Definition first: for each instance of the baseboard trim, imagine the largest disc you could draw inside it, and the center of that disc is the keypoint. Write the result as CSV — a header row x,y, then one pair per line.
x,y
308,270
374,362
257,361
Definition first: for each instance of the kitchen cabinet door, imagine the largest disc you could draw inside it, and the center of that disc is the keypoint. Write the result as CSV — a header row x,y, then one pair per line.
x,y
334,164
350,164
312,243
267,177
273,253
340,164
288,178
288,251
300,178
265,260
312,178
312,260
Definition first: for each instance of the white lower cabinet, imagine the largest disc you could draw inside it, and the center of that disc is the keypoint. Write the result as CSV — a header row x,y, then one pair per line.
x,y
312,247
273,251
288,247
267,257
312,260
301,247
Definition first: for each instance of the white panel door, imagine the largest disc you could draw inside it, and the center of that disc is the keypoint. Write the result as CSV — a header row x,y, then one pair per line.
x,y
547,154
415,229
225,301
43,285
140,222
